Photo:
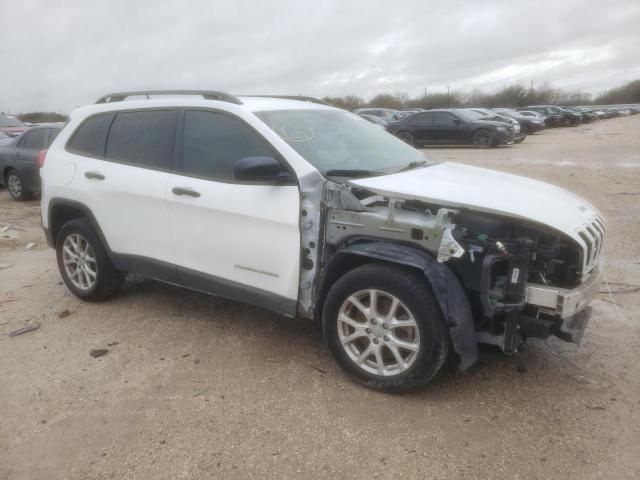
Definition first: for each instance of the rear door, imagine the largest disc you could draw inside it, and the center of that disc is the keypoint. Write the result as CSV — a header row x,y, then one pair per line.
x,y
422,125
122,169
241,241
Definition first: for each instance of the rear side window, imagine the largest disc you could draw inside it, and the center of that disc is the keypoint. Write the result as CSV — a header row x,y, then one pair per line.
x,y
212,143
87,137
34,139
423,117
143,138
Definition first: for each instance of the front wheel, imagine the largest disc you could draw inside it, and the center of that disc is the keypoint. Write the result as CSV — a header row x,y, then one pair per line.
x,y
384,327
482,139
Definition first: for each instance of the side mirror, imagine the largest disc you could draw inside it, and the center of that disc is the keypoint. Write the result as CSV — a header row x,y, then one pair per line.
x,y
260,170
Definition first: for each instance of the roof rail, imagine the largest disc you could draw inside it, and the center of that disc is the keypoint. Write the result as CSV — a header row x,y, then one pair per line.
x,y
301,98
206,94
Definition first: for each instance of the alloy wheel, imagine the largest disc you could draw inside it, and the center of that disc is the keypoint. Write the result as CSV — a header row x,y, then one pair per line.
x,y
14,185
79,261
378,332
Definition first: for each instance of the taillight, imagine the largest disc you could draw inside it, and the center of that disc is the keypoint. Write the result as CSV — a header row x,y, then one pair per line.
x,y
41,157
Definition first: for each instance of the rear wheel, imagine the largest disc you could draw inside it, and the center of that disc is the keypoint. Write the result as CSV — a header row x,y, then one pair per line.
x,y
16,187
384,327
407,138
483,139
84,264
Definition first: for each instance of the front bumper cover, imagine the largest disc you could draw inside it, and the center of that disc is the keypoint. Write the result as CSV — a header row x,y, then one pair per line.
x,y
562,302
569,306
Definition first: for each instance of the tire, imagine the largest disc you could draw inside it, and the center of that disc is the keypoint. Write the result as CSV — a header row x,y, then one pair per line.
x,y
483,139
407,138
104,281
521,139
427,336
15,185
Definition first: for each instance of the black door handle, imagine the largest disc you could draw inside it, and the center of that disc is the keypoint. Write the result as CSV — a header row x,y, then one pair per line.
x,y
94,175
185,191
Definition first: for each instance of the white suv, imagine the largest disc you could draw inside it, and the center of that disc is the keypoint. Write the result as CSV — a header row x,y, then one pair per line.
x,y
292,205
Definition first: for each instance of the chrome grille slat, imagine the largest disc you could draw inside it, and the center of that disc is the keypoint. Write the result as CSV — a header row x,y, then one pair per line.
x,y
596,239
592,234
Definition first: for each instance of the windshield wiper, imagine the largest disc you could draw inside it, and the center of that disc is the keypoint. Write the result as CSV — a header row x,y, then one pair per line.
x,y
412,165
354,172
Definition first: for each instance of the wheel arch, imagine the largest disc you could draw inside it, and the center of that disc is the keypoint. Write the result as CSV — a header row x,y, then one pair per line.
x,y
448,290
62,210
486,129
5,172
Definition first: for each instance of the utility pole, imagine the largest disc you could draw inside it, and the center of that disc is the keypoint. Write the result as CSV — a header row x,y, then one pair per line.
x,y
448,95
425,92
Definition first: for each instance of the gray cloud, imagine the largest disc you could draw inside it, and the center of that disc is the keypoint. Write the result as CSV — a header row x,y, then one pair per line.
x,y
57,55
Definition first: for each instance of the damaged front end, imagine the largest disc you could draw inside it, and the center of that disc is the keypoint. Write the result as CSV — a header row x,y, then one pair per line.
x,y
498,280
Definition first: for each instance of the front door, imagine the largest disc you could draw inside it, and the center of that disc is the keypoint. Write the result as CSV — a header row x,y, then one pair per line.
x,y
446,127
241,241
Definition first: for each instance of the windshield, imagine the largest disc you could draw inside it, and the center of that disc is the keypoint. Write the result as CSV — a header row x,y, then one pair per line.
x,y
7,121
339,140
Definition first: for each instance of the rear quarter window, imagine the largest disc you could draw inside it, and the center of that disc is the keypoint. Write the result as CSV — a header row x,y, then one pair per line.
x,y
33,139
88,135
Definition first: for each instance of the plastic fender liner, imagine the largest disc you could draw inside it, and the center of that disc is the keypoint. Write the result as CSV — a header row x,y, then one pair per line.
x,y
446,286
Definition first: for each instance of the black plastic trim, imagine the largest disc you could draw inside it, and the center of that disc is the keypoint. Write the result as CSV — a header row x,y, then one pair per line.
x,y
450,293
206,94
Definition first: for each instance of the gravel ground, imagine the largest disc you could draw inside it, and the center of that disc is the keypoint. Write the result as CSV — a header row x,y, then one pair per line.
x,y
197,387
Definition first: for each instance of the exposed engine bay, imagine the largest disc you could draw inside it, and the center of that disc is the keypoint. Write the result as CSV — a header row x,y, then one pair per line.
x,y
495,258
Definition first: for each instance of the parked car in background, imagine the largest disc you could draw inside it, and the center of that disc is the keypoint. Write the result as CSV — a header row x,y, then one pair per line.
x,y
11,125
451,127
4,138
387,114
551,118
529,123
375,120
411,111
487,114
20,160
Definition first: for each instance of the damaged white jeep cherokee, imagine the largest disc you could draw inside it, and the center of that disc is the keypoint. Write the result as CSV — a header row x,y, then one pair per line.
x,y
308,210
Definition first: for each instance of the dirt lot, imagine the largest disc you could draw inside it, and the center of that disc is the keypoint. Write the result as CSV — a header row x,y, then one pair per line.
x,y
198,387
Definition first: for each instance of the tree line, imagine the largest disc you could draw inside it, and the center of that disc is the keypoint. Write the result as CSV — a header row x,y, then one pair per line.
x,y
512,96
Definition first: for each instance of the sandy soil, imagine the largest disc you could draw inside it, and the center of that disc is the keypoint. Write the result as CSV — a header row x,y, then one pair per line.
x,y
198,387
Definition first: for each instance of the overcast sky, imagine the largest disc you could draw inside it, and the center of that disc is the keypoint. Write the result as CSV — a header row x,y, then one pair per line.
x,y
55,55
